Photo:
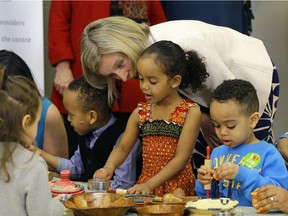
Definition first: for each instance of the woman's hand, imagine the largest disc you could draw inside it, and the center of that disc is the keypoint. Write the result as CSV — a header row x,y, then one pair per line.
x,y
103,173
271,197
63,76
204,175
140,189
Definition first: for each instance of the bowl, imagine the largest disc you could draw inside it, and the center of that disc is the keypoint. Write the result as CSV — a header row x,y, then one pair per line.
x,y
211,206
99,204
98,185
163,209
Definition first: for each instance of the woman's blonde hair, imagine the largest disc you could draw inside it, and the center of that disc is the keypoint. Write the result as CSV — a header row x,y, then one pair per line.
x,y
107,36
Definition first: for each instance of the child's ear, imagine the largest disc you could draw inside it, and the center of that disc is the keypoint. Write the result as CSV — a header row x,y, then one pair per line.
x,y
92,117
175,81
26,121
254,118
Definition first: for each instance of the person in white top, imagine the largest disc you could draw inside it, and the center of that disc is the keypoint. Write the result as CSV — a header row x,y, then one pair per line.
x,y
110,49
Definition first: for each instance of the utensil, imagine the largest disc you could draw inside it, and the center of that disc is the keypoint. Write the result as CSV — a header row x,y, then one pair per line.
x,y
65,185
163,210
211,206
98,185
118,191
99,204
208,165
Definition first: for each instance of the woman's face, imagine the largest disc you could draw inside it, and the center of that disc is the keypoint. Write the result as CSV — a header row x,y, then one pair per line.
x,y
116,65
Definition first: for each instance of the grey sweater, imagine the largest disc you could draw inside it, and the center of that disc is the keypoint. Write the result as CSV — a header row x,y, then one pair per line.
x,y
27,192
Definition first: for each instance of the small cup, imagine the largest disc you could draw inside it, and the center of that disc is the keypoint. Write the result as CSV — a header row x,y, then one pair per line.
x,y
98,185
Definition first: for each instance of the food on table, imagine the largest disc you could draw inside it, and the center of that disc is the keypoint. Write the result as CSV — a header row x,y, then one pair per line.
x,y
170,198
179,192
86,200
211,206
80,202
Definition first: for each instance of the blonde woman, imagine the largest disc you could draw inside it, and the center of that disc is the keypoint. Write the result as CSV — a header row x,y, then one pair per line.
x,y
110,49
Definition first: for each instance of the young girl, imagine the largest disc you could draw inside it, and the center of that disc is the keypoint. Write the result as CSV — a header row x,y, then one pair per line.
x,y
24,186
168,123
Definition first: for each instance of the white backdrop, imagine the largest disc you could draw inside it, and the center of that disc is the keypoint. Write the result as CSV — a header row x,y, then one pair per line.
x,y
21,30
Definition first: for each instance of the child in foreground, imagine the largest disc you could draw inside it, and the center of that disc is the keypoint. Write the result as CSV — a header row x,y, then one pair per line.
x,y
243,163
90,115
168,123
24,188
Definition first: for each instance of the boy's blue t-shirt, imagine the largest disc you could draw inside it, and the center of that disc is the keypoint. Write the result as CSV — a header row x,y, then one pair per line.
x,y
260,164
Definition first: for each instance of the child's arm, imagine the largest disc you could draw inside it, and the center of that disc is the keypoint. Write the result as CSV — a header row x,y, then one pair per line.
x,y
51,160
273,171
282,146
125,175
120,153
184,151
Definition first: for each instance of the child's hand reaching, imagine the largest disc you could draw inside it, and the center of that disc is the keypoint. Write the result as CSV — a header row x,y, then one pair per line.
x,y
35,149
103,173
226,171
140,189
204,175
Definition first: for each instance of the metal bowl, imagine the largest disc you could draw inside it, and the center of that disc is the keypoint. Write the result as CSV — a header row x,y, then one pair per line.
x,y
99,204
163,210
98,185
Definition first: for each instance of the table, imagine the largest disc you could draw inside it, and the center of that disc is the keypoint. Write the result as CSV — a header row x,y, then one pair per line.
x,y
246,211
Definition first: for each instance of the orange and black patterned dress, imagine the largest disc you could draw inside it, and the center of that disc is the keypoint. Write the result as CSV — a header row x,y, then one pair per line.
x,y
160,139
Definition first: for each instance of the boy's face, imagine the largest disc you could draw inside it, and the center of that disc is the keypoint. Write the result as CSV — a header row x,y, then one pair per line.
x,y
79,120
231,125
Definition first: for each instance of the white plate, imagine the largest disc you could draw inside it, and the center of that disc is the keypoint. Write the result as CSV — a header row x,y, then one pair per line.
x,y
211,206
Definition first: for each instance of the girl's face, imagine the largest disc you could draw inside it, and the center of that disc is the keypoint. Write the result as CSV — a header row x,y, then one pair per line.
x,y
78,119
154,83
30,127
116,65
231,125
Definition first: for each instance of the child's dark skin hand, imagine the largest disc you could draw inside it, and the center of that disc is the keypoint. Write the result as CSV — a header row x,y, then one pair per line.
x,y
140,189
204,175
35,149
103,173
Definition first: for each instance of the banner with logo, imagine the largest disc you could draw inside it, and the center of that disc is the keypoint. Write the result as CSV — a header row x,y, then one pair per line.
x,y
21,31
